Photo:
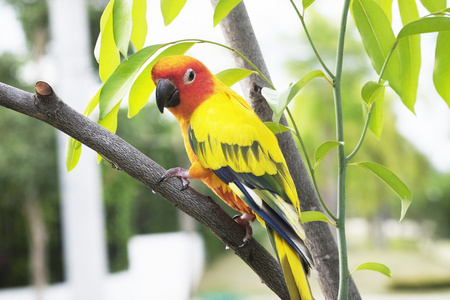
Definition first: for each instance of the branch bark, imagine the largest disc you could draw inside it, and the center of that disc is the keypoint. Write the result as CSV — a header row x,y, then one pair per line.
x,y
239,35
46,106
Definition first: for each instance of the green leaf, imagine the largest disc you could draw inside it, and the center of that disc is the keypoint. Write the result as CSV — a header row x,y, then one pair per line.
x,y
97,47
408,11
434,5
441,73
277,127
311,216
122,24
371,92
106,14
222,10
108,55
323,150
425,25
388,177
110,120
73,153
170,9
409,52
104,18
139,29
306,4
118,83
374,266
377,119
386,5
140,91
110,123
378,39
92,103
143,85
234,75
278,101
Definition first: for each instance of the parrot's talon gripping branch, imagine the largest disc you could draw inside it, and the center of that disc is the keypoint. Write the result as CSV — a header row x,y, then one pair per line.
x,y
161,179
185,184
244,221
244,243
181,173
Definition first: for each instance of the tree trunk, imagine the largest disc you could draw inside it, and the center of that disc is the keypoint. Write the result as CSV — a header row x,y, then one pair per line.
x,y
239,34
38,240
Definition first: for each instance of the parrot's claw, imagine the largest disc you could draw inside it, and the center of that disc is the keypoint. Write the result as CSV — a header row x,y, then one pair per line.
x,y
244,221
244,243
181,173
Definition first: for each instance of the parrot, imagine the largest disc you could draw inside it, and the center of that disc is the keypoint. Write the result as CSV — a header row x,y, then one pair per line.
x,y
234,153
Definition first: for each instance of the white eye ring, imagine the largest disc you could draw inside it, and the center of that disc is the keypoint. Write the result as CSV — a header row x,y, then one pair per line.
x,y
189,76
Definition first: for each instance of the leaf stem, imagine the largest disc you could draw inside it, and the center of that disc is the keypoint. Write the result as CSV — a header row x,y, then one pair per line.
x,y
302,20
311,169
342,161
363,134
383,68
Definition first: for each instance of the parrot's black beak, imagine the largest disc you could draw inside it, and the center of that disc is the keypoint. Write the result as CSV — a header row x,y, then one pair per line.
x,y
166,94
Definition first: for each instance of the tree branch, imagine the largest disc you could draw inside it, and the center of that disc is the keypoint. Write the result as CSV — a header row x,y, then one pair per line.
x,y
239,35
46,106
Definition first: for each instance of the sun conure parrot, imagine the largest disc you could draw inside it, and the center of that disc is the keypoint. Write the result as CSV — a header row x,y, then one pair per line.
x,y
238,157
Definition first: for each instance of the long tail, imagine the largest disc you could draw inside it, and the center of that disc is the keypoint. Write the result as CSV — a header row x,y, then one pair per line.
x,y
295,269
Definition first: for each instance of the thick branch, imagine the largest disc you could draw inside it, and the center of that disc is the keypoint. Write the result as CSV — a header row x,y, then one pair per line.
x,y
239,34
46,106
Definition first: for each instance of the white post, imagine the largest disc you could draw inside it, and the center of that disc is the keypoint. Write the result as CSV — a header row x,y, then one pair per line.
x,y
82,210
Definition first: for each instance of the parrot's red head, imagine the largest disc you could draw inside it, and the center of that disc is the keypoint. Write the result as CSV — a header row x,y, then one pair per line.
x,y
182,84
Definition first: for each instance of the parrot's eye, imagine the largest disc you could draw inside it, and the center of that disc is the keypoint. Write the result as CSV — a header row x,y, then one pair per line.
x,y
189,76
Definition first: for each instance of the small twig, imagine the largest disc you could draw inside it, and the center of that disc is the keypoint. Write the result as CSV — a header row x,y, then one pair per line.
x,y
311,169
363,134
305,29
43,89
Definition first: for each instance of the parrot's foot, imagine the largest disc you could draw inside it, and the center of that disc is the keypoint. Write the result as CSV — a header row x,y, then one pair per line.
x,y
181,173
244,221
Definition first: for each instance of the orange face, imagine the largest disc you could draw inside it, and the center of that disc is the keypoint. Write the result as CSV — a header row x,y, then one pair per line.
x,y
182,84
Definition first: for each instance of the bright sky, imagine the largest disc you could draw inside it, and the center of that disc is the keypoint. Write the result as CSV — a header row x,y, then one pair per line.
x,y
274,22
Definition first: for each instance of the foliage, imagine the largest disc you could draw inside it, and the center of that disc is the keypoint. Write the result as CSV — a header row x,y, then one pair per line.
x,y
369,198
373,266
400,67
